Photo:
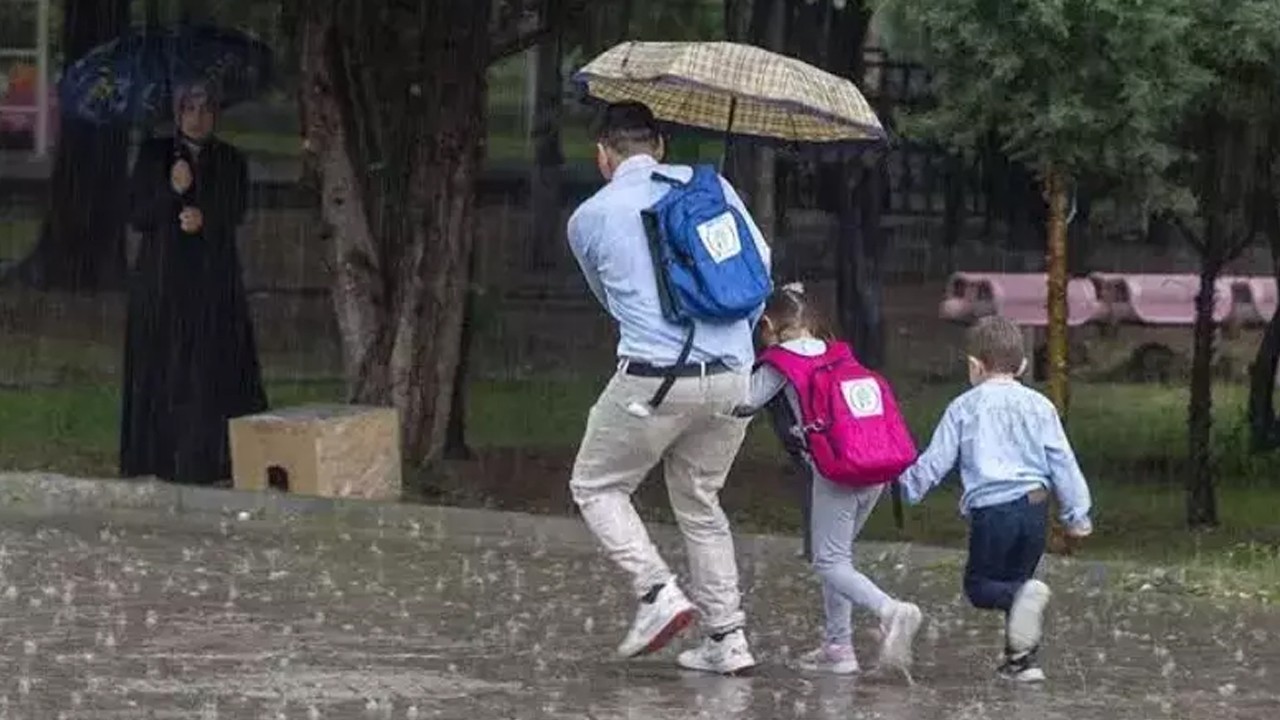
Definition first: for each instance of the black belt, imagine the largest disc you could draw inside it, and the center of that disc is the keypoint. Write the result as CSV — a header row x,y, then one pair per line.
x,y
686,370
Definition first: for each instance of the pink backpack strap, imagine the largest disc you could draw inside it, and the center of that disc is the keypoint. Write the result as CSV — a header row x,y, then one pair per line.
x,y
799,369
782,360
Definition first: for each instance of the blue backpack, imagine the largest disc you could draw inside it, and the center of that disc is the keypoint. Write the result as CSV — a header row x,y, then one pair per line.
x,y
705,258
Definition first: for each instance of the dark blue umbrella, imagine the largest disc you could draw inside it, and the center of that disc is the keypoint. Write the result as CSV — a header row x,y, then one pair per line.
x,y
131,78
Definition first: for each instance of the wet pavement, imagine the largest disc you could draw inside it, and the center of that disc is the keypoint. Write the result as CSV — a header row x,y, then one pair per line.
x,y
474,615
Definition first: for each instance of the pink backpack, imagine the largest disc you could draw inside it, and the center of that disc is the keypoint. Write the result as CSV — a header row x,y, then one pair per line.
x,y
850,420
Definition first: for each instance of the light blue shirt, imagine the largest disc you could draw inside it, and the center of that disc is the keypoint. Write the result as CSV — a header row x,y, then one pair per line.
x,y
607,237
1008,440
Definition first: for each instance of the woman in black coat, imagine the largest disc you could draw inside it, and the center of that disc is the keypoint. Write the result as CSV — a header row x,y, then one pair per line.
x,y
190,358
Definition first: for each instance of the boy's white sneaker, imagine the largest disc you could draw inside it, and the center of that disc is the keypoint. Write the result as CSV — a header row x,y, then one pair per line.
x,y
657,622
727,655
1022,669
898,628
833,659
1026,617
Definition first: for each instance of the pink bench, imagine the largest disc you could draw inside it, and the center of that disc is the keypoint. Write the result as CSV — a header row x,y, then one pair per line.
x,y
1154,299
1253,299
1021,297
24,122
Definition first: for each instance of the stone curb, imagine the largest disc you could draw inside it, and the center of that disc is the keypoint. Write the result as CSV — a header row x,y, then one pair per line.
x,y
52,493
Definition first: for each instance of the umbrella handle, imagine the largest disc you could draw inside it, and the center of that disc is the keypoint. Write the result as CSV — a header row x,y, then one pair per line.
x,y
728,131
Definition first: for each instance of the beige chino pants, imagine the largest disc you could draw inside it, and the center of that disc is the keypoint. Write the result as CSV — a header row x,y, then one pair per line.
x,y
696,439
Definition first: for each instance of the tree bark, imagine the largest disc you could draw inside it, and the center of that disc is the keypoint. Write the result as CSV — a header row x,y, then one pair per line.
x,y
953,212
81,242
393,112
455,443
860,259
743,22
769,25
1202,507
1056,184
1264,428
546,181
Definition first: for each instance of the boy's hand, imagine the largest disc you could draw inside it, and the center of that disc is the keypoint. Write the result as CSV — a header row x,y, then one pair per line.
x,y
1073,537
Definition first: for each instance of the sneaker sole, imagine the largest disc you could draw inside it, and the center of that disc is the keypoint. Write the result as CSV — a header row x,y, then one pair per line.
x,y
739,670
676,625
831,669
1026,624
1027,677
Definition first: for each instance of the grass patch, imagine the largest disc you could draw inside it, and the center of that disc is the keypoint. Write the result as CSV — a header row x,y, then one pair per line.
x,y
1129,438
17,237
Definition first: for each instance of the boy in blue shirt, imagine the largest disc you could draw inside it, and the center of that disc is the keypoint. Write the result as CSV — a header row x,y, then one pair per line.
x,y
1011,449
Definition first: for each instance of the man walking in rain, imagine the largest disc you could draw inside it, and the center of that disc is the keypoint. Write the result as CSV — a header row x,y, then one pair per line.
x,y
689,429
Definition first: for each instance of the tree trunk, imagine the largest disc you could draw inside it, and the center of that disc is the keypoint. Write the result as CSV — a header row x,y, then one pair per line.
x,y
769,28
1202,507
953,212
1264,428
546,180
860,255
81,243
393,113
1056,264
455,443
742,23
194,11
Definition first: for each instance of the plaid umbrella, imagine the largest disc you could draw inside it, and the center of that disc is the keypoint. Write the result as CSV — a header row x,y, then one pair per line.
x,y
734,89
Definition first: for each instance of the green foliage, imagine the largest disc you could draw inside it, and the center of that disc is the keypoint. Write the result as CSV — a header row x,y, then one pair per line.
x,y
1089,86
1228,126
598,25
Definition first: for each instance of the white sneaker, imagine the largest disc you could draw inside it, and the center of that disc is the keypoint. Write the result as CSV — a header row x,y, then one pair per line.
x,y
833,659
658,622
726,656
1026,617
1022,669
898,628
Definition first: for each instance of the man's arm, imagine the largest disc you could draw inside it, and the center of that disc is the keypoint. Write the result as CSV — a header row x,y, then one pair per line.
x,y
582,241
936,461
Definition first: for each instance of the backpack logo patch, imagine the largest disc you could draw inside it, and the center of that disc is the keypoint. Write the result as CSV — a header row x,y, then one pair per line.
x,y
720,237
863,397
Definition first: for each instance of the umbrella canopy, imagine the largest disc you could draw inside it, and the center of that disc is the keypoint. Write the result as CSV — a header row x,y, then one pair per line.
x,y
131,78
735,89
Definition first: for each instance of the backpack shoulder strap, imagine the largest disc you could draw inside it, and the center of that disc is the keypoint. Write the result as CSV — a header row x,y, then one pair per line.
x,y
798,370
838,351
818,402
659,176
784,361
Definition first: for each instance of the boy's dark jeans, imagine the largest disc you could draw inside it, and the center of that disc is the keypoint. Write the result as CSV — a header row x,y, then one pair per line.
x,y
1005,545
